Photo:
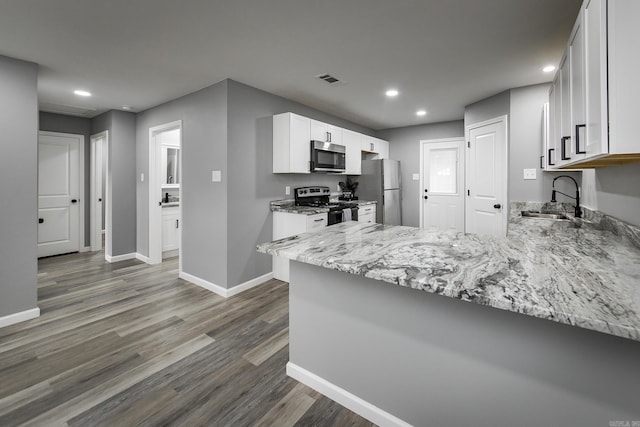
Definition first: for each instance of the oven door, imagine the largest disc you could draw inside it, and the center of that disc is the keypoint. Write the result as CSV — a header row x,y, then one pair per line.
x,y
327,157
337,216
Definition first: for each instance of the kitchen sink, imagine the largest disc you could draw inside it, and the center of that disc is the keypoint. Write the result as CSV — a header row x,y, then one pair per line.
x,y
545,215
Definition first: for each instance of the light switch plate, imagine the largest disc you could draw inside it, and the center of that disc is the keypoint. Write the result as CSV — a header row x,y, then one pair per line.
x,y
416,177
216,176
529,174
287,190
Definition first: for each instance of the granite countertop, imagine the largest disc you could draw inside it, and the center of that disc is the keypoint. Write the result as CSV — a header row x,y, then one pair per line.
x,y
290,207
580,273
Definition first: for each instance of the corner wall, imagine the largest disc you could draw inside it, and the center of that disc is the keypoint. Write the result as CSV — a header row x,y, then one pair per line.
x,y
121,176
204,203
19,207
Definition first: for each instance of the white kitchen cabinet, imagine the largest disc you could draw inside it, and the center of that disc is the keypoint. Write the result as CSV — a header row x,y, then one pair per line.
x,y
325,132
367,213
603,89
564,112
376,146
353,159
291,143
170,230
286,224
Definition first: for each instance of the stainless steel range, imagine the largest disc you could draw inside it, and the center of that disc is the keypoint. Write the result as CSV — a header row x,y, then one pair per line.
x,y
318,196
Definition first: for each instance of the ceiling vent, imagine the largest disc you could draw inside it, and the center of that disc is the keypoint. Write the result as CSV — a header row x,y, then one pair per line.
x,y
329,78
70,110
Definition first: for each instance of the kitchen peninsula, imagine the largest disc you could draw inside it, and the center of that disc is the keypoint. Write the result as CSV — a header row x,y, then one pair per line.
x,y
380,322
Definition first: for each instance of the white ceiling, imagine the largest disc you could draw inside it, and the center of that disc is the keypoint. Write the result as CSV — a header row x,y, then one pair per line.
x,y
440,54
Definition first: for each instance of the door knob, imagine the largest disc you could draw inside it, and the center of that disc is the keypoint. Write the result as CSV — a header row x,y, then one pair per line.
x,y
100,199
425,190
426,197
497,206
40,220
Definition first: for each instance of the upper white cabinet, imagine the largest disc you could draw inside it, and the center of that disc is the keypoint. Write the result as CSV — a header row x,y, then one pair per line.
x,y
291,143
325,132
292,136
593,123
353,159
377,146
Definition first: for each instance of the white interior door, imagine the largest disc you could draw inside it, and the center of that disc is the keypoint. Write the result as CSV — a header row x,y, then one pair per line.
x,y
487,178
97,196
443,185
58,194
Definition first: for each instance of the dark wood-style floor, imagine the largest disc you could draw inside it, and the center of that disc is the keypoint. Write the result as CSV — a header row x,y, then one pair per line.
x,y
127,344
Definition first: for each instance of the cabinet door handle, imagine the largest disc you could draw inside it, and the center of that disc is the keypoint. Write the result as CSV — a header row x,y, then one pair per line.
x,y
40,220
563,148
74,200
549,158
541,162
318,220
578,150
497,206
426,197
177,223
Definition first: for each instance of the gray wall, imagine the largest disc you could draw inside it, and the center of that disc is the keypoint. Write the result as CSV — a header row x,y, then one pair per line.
x,y
121,175
488,108
80,126
615,191
404,145
204,203
250,179
19,173
436,361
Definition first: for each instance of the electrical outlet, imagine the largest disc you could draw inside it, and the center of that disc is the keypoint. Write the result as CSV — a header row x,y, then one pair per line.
x,y
287,190
529,174
416,177
216,176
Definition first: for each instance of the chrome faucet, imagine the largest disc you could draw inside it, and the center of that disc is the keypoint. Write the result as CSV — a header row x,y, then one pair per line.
x,y
578,211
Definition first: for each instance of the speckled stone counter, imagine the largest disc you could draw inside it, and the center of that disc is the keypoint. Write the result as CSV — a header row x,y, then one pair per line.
x,y
290,207
580,273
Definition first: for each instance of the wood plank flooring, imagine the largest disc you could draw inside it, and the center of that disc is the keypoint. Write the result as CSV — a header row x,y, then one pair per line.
x,y
127,344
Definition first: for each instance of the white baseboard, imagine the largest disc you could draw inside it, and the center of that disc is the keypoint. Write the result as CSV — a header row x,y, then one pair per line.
x,y
224,291
343,397
123,257
249,284
143,258
19,317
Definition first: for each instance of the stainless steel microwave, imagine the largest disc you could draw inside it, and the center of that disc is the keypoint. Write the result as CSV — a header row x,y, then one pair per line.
x,y
327,157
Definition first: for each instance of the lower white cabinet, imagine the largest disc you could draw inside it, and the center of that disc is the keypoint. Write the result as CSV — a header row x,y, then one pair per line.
x,y
367,213
286,224
170,229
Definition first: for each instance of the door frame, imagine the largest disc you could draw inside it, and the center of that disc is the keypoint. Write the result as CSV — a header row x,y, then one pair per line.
x,y
81,177
96,166
462,158
504,121
155,209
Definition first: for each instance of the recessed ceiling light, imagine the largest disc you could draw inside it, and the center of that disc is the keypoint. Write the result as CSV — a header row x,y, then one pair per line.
x,y
392,92
548,68
126,107
421,113
82,93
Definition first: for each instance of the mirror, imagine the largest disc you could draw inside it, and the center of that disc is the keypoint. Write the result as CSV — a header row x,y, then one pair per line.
x,y
171,166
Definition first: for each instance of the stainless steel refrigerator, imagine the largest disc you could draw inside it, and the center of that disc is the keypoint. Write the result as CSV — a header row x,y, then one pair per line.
x,y
380,181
